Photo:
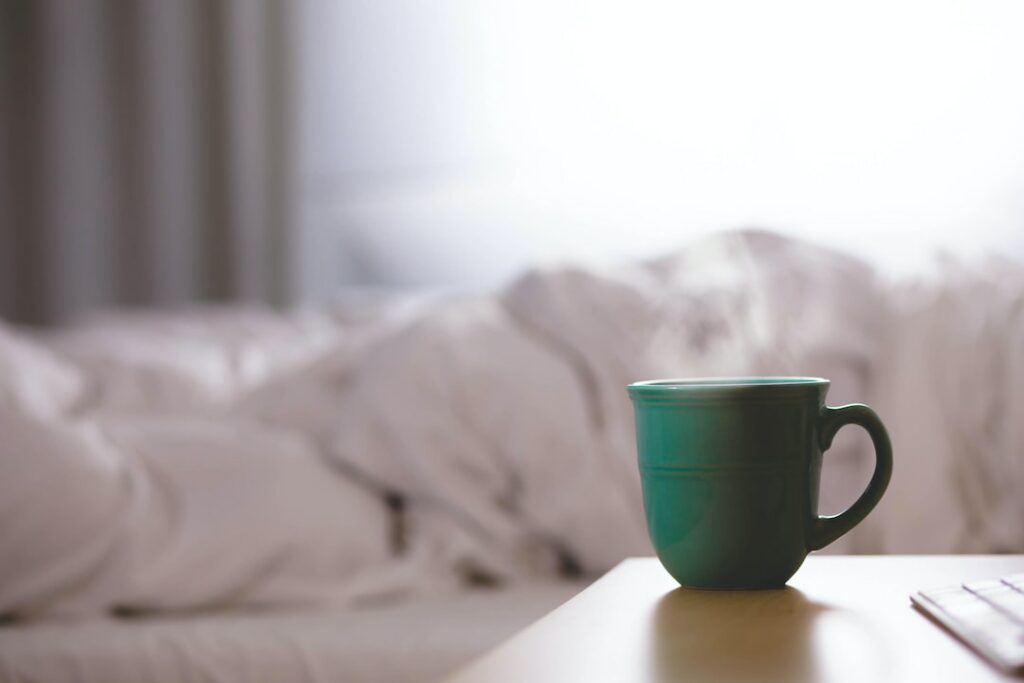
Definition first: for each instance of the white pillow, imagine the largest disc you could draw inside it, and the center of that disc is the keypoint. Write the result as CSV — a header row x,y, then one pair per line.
x,y
236,514
34,380
175,514
189,362
63,499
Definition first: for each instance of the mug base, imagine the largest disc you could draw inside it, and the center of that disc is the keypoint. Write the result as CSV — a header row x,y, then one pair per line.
x,y
764,587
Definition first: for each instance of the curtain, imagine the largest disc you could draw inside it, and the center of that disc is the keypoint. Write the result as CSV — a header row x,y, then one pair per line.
x,y
145,154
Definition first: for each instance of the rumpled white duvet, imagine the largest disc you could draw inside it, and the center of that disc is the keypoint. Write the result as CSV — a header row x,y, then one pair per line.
x,y
365,449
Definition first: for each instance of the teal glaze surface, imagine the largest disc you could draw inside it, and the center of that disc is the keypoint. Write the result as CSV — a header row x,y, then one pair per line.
x,y
730,469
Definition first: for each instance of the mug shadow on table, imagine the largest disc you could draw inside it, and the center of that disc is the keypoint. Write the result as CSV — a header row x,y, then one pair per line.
x,y
765,635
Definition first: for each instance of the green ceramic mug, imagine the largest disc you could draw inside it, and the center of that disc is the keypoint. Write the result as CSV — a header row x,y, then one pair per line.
x,y
730,469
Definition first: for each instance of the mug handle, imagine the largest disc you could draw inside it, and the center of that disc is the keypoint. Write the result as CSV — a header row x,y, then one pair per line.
x,y
824,530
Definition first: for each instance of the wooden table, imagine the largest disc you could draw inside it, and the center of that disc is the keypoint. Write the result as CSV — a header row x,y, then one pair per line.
x,y
840,619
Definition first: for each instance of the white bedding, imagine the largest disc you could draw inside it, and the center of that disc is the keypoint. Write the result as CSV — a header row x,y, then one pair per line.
x,y
414,641
357,451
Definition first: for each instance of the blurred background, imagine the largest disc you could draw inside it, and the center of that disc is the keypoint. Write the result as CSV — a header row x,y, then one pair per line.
x,y
160,153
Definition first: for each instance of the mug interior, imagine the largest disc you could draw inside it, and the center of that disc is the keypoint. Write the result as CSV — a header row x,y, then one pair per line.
x,y
700,388
699,382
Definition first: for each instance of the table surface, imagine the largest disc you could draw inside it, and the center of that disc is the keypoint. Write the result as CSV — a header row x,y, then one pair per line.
x,y
840,619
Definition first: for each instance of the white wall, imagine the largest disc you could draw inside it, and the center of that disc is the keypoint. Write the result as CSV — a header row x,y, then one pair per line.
x,y
453,142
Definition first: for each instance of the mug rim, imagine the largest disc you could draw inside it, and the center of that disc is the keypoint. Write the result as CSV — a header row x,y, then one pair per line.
x,y
684,386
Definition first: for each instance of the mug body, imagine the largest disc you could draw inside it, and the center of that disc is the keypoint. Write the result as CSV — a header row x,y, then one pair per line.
x,y
730,470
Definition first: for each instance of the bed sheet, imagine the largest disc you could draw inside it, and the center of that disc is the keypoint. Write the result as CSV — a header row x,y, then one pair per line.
x,y
418,640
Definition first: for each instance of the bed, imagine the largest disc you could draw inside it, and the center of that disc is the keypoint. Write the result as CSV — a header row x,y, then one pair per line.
x,y
324,493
